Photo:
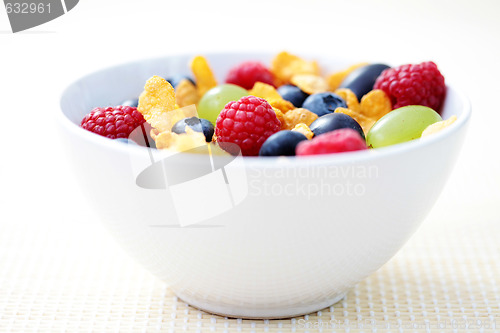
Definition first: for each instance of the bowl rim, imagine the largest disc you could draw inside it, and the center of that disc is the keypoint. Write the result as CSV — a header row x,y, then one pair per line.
x,y
270,161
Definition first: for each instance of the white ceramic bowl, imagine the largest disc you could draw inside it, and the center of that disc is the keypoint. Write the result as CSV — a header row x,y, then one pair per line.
x,y
286,236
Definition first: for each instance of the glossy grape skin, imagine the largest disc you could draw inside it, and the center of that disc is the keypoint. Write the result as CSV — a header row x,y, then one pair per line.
x,y
293,94
361,80
400,125
214,100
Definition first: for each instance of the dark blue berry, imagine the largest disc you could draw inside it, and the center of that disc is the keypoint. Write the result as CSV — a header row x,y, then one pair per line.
x,y
334,121
282,143
197,125
174,80
362,79
126,141
293,94
323,103
131,102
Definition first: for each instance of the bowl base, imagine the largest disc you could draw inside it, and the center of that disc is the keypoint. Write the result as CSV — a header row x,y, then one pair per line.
x,y
245,313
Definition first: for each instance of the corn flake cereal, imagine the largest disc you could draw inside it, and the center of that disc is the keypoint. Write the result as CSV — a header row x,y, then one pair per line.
x,y
281,104
374,105
154,133
180,142
297,116
186,93
156,101
280,117
309,83
205,79
365,122
304,129
266,91
270,94
439,126
349,97
285,65
335,80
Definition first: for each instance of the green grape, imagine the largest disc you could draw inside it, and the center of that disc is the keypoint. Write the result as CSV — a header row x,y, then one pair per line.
x,y
214,100
401,125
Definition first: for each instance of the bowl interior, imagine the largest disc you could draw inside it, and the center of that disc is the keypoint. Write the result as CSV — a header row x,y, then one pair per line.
x,y
112,86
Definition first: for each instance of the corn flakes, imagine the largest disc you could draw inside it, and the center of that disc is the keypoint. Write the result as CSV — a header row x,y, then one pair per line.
x,y
205,79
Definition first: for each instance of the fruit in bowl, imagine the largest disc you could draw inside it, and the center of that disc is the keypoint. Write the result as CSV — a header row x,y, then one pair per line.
x,y
265,236
366,95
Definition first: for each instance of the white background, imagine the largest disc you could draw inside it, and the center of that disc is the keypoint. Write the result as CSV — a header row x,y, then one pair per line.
x,y
462,37
37,186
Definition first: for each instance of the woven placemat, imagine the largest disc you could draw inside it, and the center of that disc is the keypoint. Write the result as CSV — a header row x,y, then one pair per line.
x,y
443,279
70,276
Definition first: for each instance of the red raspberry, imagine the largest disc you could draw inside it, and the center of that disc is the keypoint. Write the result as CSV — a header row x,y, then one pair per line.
x,y
113,122
247,73
337,141
247,123
420,84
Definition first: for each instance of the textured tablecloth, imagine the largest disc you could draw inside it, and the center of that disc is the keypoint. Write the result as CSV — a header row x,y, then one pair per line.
x,y
71,276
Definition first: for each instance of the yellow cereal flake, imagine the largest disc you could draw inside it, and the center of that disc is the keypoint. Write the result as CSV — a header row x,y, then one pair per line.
x,y
154,133
365,122
285,65
270,94
309,83
266,91
297,116
376,104
280,117
334,80
186,93
180,142
156,101
373,106
439,126
282,105
349,97
165,140
304,129
204,77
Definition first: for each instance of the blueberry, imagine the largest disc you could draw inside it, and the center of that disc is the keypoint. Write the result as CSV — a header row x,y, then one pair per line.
x,y
293,94
323,103
131,102
333,121
362,79
174,80
126,141
281,143
196,124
